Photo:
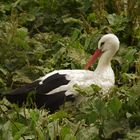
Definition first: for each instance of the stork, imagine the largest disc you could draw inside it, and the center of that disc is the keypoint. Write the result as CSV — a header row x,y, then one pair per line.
x,y
56,87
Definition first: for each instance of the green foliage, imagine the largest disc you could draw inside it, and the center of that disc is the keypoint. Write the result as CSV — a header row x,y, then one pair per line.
x,y
37,37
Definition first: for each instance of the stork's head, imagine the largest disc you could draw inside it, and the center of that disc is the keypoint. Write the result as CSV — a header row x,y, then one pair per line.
x,y
108,43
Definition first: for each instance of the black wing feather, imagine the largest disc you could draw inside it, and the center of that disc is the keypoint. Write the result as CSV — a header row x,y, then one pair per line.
x,y
52,82
52,101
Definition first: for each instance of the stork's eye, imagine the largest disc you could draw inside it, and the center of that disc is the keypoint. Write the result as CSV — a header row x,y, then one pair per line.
x,y
102,43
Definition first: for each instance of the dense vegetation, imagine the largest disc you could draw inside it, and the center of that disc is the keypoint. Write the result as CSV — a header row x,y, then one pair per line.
x,y
37,37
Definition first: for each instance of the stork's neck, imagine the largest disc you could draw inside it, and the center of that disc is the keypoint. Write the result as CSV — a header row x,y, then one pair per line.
x,y
105,61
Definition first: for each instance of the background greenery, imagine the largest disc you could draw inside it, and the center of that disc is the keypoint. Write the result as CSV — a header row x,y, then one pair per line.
x,y
39,36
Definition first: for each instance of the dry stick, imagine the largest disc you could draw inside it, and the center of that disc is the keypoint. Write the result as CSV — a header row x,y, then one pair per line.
x,y
6,115
24,111
77,129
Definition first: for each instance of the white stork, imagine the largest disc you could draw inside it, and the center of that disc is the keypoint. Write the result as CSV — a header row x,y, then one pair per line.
x,y
56,87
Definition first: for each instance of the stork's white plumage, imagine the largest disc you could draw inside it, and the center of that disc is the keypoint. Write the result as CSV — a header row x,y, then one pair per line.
x,y
56,87
103,75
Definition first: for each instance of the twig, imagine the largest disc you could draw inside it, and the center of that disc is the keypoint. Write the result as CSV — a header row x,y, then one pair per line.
x,y
77,129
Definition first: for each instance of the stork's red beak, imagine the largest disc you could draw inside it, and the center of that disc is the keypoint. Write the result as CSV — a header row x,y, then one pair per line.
x,y
95,55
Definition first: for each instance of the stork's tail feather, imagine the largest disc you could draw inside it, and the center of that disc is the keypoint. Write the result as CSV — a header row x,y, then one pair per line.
x,y
25,89
20,95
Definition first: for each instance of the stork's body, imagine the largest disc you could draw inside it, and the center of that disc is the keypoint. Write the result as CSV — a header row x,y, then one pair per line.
x,y
83,78
56,87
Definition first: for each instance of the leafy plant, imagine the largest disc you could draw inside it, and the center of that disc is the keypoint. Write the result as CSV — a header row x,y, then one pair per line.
x,y
37,37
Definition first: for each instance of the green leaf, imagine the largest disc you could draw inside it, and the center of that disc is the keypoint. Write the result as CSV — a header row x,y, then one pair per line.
x,y
34,116
91,17
19,76
133,135
115,105
22,32
4,71
57,115
70,137
19,133
6,131
64,131
114,126
99,106
40,134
